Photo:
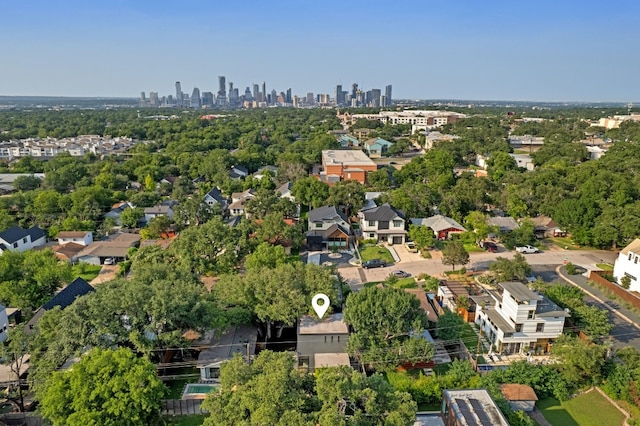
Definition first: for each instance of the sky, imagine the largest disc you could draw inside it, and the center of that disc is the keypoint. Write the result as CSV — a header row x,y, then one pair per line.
x,y
521,50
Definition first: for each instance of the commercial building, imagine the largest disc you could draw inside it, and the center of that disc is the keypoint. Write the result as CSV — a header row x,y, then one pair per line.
x,y
340,165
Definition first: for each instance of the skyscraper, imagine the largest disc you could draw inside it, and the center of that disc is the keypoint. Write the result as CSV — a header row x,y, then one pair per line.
x,y
339,97
289,98
354,90
264,92
387,93
247,94
179,96
222,91
256,93
376,94
195,98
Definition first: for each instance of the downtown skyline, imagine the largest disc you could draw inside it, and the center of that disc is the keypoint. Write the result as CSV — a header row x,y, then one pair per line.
x,y
528,51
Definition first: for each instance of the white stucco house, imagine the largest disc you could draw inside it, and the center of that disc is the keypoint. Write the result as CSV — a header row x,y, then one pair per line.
x,y
18,239
628,264
84,238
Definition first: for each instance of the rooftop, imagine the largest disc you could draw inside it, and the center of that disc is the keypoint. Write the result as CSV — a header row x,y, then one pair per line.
x,y
474,407
634,247
332,324
73,234
346,157
518,392
438,223
233,340
331,359
519,291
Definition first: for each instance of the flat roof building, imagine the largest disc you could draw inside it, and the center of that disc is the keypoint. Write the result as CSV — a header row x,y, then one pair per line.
x,y
471,407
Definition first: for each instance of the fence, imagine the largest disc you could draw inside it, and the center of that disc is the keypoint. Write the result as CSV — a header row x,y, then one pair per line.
x,y
181,407
596,276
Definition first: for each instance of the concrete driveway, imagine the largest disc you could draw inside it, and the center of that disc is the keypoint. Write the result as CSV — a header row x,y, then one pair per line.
x,y
107,273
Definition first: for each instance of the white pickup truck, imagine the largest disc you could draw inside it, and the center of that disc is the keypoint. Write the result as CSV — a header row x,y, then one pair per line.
x,y
527,249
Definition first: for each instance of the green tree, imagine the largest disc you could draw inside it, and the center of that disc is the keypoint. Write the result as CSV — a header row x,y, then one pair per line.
x,y
156,227
347,193
15,353
581,362
266,255
27,183
499,164
105,387
310,191
454,254
450,326
388,326
511,269
130,217
422,236
593,321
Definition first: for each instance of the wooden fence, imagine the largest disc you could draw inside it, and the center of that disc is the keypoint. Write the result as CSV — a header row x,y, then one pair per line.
x,y
596,276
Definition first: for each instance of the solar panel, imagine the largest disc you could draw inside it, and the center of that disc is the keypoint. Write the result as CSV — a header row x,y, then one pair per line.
x,y
480,412
466,412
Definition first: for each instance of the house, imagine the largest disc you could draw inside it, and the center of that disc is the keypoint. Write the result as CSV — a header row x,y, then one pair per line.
x,y
7,180
284,191
442,226
68,251
524,161
214,197
83,238
322,343
448,294
165,208
369,200
328,228
519,397
18,239
169,180
64,298
627,265
345,165
117,210
214,350
262,172
545,227
376,147
111,251
238,200
518,320
383,224
470,407
503,224
4,323
238,172
347,141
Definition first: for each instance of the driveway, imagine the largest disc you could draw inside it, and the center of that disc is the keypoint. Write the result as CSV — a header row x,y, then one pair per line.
x,y
107,273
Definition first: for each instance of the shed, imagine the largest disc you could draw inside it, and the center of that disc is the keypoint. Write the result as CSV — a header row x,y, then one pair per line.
x,y
520,397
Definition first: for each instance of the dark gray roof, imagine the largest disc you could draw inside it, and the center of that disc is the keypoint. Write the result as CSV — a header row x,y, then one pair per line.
x,y
66,296
325,233
519,291
16,233
326,213
216,194
546,308
383,212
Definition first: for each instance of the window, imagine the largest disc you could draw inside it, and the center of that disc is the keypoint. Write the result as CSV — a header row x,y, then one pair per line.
x,y
372,235
540,327
372,223
397,223
318,224
518,328
531,314
635,260
331,339
24,240
630,256
15,245
633,278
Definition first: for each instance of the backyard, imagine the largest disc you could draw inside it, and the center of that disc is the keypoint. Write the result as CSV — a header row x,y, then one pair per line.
x,y
85,271
588,409
193,420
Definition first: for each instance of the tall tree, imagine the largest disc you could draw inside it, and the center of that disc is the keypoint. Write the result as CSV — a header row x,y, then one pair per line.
x,y
15,353
105,387
454,254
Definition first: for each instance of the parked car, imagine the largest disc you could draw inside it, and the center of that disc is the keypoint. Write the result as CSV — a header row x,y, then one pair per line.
x,y
109,261
400,274
411,247
489,246
374,263
527,249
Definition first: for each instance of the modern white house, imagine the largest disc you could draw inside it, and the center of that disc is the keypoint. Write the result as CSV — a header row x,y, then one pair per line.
x,y
18,239
383,224
516,319
84,238
628,265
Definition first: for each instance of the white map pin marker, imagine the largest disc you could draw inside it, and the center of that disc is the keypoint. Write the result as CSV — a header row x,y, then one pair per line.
x,y
320,309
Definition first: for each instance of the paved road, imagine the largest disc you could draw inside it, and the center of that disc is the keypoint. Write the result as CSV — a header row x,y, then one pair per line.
x,y
544,262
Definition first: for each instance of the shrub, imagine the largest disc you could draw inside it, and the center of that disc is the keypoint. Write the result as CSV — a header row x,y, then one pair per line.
x,y
571,269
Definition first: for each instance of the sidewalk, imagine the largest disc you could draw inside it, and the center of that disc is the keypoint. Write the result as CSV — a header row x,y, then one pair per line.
x,y
581,281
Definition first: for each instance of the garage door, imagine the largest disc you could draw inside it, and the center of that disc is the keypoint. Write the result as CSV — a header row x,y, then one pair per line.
x,y
397,240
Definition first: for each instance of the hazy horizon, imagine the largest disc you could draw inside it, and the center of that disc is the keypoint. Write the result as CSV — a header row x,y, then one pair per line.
x,y
532,52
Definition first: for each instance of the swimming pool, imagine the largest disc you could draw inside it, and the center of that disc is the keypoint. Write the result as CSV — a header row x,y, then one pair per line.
x,y
198,390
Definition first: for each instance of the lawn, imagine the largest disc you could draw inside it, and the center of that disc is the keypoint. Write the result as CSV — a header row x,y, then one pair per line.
x,y
376,252
470,339
194,420
472,248
401,283
605,266
85,271
567,244
588,409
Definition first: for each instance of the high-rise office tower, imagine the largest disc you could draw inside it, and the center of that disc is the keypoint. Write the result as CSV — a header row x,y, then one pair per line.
x,y
376,94
153,99
274,96
354,90
264,92
233,95
179,96
339,97
247,94
143,98
195,98
387,93
289,98
310,100
256,92
222,91
207,99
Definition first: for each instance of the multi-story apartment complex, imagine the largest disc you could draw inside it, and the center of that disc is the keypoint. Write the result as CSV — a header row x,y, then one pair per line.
x,y
516,319
75,146
420,118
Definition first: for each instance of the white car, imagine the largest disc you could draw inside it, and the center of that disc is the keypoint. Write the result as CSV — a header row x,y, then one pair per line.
x,y
527,249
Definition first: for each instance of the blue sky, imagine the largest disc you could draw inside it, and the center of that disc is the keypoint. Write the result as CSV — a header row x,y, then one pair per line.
x,y
495,50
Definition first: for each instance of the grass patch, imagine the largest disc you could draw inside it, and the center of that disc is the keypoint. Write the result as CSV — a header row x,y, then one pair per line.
x,y
605,266
376,252
408,282
588,409
194,420
472,247
568,244
85,271
470,339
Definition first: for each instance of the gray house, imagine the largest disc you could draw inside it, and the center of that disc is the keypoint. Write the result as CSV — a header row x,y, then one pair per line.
x,y
328,228
322,343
